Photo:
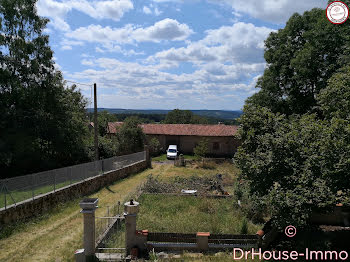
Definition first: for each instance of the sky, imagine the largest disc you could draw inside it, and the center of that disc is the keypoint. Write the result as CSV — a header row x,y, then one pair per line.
x,y
166,54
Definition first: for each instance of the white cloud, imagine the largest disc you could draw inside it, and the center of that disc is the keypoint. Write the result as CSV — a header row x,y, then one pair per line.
x,y
275,11
87,62
66,47
146,10
157,12
132,82
167,29
57,11
110,48
68,44
239,43
152,10
226,65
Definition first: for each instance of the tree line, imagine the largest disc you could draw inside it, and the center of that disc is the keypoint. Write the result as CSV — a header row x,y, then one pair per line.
x,y
175,116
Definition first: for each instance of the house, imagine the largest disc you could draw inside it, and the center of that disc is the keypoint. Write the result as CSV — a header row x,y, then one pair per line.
x,y
222,138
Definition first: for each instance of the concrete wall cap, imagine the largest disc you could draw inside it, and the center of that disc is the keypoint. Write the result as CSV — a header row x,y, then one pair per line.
x,y
203,234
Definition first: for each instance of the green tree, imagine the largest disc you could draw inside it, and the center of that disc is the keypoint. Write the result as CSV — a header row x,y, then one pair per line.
x,y
201,150
298,165
178,116
130,136
154,146
295,131
335,99
103,118
107,147
42,123
300,59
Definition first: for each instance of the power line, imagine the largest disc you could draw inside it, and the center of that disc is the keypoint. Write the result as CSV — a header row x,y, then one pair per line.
x,y
73,82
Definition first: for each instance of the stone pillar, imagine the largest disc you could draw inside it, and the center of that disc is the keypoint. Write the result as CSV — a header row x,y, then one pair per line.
x,y
260,235
148,156
182,160
202,241
89,206
131,209
338,214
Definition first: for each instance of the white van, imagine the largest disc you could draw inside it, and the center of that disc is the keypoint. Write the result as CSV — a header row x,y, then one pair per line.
x,y
171,153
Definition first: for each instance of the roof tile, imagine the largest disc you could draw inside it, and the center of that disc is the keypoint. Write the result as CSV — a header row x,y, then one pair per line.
x,y
181,129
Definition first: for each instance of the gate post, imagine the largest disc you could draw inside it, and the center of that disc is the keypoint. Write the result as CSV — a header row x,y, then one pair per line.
x,y
131,209
89,205
202,241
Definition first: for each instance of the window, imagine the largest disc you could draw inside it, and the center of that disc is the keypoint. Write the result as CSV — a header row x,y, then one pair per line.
x,y
216,146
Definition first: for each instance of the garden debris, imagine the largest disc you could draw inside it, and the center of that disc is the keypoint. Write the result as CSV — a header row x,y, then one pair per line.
x,y
190,185
191,192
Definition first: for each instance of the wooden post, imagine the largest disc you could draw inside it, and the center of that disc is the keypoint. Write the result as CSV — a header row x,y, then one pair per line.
x,y
95,123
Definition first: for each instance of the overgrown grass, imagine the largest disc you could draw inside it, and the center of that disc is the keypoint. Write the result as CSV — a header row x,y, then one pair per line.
x,y
56,235
163,158
198,257
161,213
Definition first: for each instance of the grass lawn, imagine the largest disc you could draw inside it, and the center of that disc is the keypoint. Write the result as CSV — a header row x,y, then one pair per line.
x,y
181,214
198,257
57,234
163,157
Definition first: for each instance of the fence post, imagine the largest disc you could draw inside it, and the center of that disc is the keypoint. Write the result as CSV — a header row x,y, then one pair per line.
x,y
33,187
3,189
5,199
148,157
108,214
70,176
103,168
54,181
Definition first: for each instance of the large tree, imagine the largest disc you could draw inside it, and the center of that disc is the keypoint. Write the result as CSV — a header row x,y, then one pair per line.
x,y
296,131
130,136
300,59
41,121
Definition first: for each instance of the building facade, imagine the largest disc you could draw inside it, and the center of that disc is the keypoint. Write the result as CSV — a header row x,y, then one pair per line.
x,y
222,139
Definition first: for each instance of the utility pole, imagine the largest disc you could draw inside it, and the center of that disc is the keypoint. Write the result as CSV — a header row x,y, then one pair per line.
x,y
95,123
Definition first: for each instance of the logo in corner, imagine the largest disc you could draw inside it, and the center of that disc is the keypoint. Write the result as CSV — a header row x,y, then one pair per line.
x,y
337,12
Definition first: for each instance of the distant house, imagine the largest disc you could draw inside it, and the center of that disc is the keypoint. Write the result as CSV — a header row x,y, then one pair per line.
x,y
222,138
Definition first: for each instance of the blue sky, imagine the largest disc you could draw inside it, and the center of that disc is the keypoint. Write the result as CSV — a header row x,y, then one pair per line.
x,y
166,54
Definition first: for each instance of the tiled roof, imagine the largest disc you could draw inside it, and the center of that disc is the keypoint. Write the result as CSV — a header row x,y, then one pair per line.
x,y
181,129
113,127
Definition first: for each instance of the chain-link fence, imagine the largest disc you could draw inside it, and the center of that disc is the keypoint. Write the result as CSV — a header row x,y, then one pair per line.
x,y
17,189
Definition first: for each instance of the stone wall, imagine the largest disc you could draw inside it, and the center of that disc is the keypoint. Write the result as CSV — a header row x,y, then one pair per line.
x,y
42,203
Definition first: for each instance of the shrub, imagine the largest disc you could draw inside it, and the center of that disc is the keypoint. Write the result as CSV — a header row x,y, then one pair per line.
x,y
244,227
201,149
154,145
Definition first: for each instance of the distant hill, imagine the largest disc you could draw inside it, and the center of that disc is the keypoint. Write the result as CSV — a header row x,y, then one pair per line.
x,y
220,114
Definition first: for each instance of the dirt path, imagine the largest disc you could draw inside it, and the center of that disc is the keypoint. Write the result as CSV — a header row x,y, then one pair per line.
x,y
56,236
